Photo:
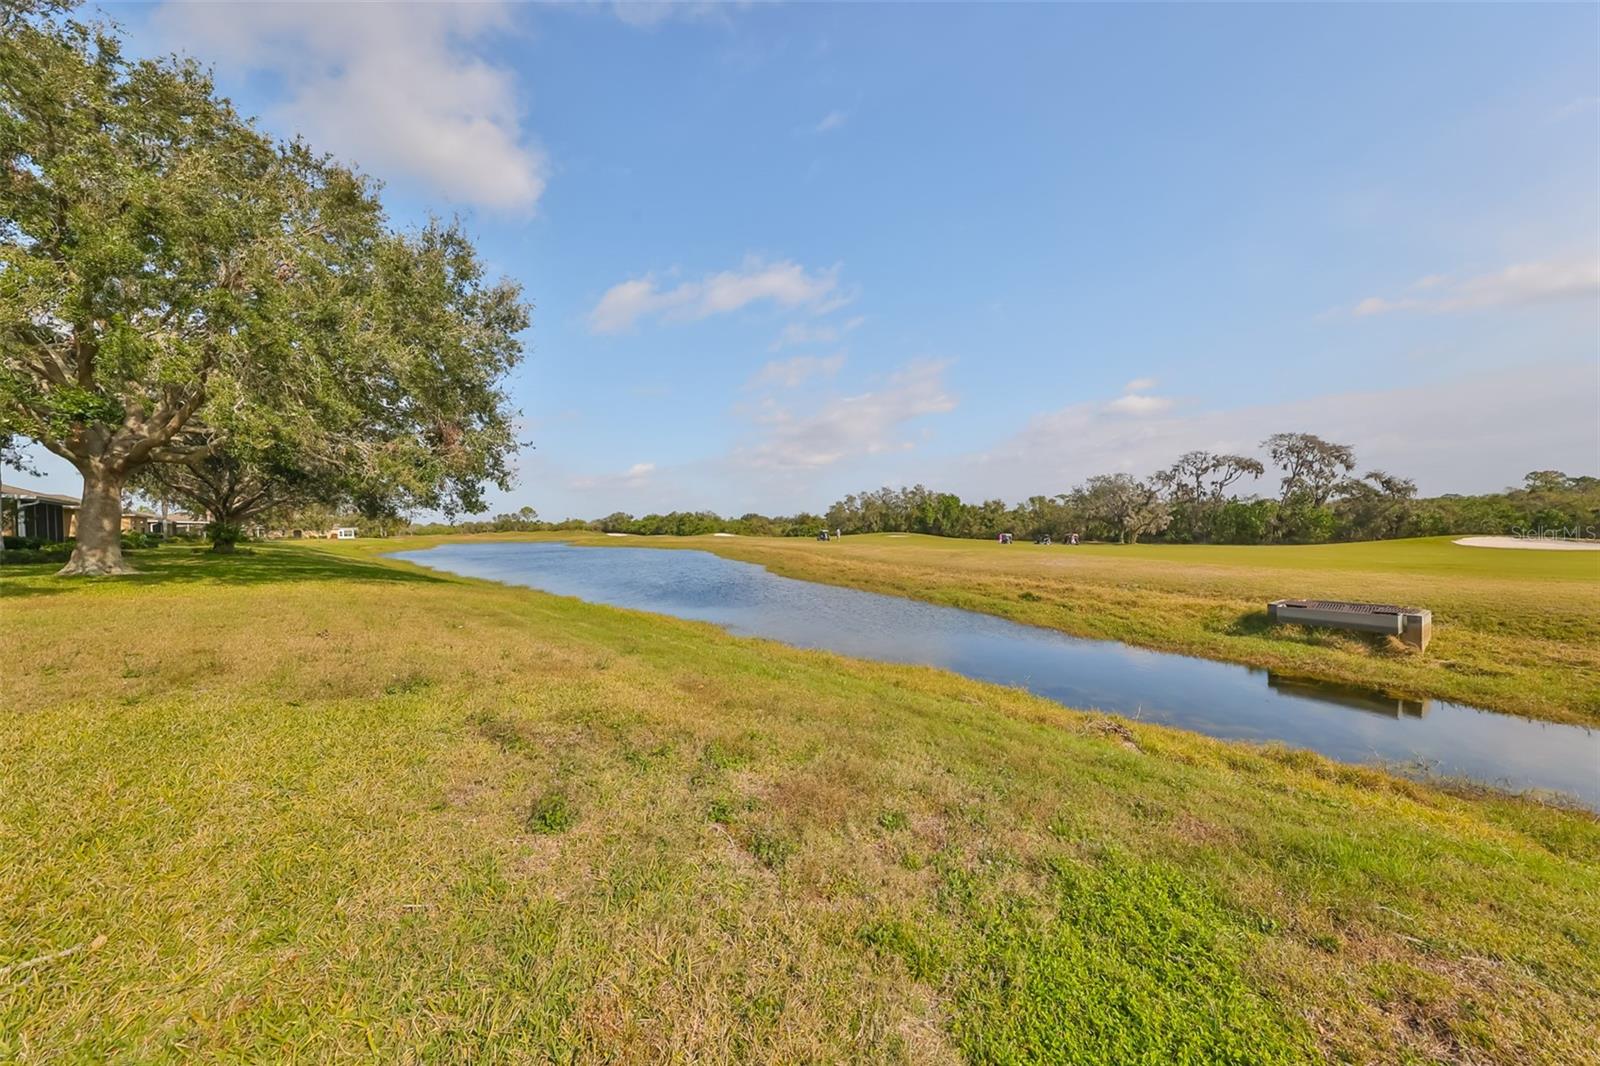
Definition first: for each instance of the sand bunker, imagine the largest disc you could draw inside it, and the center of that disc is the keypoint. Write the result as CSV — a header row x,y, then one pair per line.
x,y
1546,544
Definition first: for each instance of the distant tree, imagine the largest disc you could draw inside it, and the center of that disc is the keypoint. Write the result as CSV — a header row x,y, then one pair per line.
x,y
1130,508
1052,516
1202,475
1312,467
1196,487
522,520
1545,481
849,514
177,284
1376,507
804,524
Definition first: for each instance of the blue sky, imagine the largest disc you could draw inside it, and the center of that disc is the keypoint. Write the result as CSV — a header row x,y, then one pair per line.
x,y
782,252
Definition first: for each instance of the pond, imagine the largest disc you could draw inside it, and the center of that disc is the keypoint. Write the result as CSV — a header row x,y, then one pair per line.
x,y
1219,699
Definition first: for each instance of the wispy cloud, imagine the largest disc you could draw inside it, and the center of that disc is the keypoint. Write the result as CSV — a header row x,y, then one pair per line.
x,y
792,373
847,427
798,333
648,14
1140,385
831,121
787,284
1577,106
1521,285
401,89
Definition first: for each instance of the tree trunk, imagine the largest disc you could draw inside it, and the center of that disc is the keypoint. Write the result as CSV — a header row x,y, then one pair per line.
x,y
226,526
99,550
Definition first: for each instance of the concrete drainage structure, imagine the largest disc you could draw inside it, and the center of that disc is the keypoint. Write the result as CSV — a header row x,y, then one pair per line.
x,y
1410,624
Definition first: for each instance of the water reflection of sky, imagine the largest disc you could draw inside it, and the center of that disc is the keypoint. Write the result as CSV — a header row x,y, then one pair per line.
x,y
1219,699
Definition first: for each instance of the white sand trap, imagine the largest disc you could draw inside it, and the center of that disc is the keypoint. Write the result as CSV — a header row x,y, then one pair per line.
x,y
616,534
1544,544
724,534
899,534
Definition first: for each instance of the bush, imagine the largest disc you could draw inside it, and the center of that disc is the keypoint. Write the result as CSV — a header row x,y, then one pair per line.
x,y
39,551
33,550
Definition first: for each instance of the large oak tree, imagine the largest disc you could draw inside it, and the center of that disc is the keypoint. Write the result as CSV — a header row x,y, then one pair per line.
x,y
175,285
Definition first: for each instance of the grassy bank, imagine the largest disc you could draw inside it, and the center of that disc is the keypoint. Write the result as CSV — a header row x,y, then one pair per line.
x,y
308,804
1515,631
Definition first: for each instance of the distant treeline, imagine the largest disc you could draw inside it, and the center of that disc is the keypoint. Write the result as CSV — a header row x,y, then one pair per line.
x,y
1198,499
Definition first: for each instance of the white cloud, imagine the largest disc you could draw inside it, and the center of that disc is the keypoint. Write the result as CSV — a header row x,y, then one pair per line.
x,y
787,284
1140,385
1136,404
792,373
848,427
1520,285
1463,435
636,476
831,121
397,88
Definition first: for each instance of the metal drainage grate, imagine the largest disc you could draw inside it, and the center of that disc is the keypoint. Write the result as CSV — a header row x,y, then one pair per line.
x,y
1349,608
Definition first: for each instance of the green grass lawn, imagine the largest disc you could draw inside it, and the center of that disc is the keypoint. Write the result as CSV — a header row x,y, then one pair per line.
x,y
1514,631
305,804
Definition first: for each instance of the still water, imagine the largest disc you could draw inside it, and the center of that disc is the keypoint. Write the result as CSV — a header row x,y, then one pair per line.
x,y
1219,699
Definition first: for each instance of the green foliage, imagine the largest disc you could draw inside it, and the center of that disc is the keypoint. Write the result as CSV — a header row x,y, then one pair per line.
x,y
1243,521
177,287
1300,521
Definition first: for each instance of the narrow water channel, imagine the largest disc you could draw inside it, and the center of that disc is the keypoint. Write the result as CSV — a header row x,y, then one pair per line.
x,y
1219,699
